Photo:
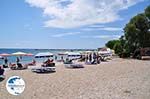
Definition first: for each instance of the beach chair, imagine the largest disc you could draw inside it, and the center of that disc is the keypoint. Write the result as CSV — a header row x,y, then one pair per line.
x,y
74,66
18,66
44,70
67,61
91,63
51,64
2,77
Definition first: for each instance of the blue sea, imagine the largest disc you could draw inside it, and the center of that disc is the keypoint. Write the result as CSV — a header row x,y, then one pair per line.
x,y
26,59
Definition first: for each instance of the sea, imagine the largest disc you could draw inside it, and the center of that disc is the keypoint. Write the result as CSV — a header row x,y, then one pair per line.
x,y
27,59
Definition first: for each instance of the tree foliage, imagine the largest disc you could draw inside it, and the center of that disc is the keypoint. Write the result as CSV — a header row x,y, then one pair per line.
x,y
147,12
110,44
136,34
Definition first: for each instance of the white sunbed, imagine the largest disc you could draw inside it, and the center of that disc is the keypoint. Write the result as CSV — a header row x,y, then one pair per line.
x,y
44,69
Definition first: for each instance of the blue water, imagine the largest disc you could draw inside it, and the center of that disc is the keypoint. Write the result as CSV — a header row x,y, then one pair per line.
x,y
26,59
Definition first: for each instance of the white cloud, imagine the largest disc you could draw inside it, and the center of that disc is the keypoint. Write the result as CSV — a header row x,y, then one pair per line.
x,y
65,34
111,29
96,26
103,28
103,37
77,13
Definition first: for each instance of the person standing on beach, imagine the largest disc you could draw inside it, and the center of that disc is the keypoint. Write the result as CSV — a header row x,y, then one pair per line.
x,y
17,60
5,62
86,58
55,58
90,57
98,59
94,57
62,58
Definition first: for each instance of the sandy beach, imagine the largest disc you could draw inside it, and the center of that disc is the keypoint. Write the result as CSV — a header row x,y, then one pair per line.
x,y
116,79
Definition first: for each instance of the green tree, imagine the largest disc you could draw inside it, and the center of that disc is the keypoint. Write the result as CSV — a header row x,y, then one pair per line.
x,y
110,44
118,48
137,33
147,12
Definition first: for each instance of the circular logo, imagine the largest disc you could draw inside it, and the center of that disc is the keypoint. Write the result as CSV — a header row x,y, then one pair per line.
x,y
15,85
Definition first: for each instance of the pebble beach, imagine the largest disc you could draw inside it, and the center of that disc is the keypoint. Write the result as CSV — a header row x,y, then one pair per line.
x,y
116,79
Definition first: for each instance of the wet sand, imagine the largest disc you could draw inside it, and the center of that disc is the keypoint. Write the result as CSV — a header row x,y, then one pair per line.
x,y
116,79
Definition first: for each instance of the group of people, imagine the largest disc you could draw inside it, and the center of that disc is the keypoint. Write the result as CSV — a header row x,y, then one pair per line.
x,y
92,58
18,63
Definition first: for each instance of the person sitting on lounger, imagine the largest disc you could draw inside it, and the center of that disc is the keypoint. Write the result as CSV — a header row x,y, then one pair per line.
x,y
67,61
48,63
19,65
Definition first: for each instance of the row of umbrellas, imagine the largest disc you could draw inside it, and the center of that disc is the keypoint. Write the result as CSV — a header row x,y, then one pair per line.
x,y
16,54
41,54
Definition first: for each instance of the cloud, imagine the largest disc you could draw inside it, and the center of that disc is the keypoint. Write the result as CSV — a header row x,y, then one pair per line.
x,y
96,26
77,13
65,34
102,37
102,28
111,29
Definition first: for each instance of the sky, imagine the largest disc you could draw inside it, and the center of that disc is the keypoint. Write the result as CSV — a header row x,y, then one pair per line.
x,y
64,24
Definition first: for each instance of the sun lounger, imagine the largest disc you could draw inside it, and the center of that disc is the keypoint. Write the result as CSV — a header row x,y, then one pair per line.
x,y
44,70
49,65
2,77
74,66
67,62
18,66
90,63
